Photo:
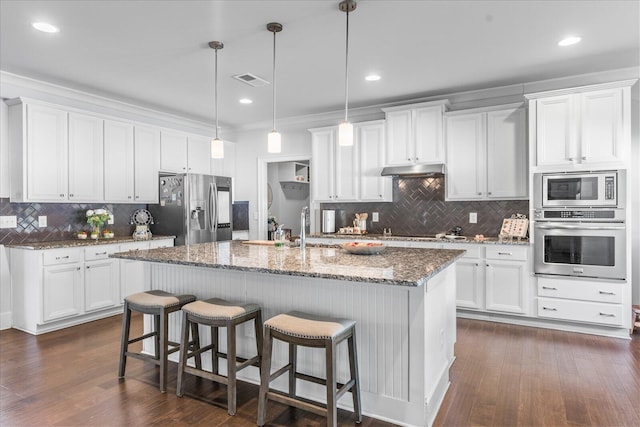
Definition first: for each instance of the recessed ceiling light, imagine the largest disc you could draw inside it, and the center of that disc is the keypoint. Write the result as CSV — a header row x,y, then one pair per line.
x,y
568,41
372,78
45,27
246,101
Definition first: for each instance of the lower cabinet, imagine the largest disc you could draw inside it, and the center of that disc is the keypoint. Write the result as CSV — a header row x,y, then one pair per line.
x,y
57,288
507,281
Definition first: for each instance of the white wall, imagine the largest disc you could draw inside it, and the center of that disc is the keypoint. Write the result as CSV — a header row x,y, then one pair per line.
x,y
4,150
5,290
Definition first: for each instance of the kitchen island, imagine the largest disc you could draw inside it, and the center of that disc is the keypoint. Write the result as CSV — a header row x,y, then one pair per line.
x,y
403,301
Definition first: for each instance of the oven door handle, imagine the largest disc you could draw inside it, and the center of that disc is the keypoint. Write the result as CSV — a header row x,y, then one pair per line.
x,y
555,225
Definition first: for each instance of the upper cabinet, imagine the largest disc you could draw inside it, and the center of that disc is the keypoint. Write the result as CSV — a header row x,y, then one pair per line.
x,y
414,133
349,174
57,156
486,154
181,153
227,165
132,161
581,128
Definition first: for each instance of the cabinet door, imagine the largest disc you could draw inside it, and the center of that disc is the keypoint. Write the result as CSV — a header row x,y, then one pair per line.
x,y
47,162
370,142
322,164
119,162
227,165
86,159
469,284
399,133
62,291
346,173
147,164
173,152
429,141
506,288
101,283
555,131
601,126
199,155
466,162
132,272
506,154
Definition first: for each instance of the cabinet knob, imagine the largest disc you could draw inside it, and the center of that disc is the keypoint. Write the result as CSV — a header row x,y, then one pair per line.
x,y
137,197
489,193
61,195
70,195
88,267
380,195
571,159
479,193
584,157
129,197
488,265
78,268
408,159
417,158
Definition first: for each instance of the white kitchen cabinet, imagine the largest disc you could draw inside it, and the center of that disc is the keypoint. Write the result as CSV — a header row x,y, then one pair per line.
x,y
414,133
101,277
486,154
132,273
61,291
132,161
470,279
199,155
38,138
581,128
370,141
86,158
173,152
227,165
349,174
507,279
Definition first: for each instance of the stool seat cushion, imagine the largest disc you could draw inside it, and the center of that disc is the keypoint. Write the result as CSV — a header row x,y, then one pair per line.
x,y
219,309
158,299
310,326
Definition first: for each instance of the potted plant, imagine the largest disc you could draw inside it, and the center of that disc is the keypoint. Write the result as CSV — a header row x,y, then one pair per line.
x,y
97,218
82,235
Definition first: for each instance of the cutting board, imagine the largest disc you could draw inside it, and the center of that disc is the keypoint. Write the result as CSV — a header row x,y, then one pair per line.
x,y
258,242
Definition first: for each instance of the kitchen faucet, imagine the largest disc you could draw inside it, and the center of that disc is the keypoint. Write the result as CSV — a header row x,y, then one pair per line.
x,y
303,226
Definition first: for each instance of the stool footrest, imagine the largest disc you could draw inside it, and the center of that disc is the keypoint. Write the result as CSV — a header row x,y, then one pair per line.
x,y
141,356
343,388
254,361
279,372
310,378
208,375
297,402
145,336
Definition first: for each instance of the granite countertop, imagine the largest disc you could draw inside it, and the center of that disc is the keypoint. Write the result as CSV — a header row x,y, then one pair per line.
x,y
394,266
381,237
72,243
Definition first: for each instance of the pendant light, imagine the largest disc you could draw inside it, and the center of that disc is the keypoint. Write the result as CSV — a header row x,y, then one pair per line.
x,y
345,129
274,139
217,146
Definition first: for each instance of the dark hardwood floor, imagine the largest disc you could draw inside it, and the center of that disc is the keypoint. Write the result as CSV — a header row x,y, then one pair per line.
x,y
504,375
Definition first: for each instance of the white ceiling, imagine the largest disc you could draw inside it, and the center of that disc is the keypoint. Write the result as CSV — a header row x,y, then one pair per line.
x,y
155,53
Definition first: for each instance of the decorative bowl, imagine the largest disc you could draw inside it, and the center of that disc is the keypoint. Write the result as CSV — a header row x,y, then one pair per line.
x,y
82,236
363,248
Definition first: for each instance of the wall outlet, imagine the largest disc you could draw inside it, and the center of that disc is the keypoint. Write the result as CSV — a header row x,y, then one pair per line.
x,y
375,217
9,221
42,221
473,217
110,220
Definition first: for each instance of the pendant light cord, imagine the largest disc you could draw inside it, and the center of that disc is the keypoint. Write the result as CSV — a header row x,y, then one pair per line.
x,y
346,71
274,81
215,91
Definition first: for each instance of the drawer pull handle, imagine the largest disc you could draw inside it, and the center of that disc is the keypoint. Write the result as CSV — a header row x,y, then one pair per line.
x,y
551,309
607,314
101,253
62,257
606,293
505,253
549,288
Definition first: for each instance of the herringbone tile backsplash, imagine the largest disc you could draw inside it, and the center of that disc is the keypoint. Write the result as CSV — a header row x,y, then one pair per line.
x,y
419,209
64,220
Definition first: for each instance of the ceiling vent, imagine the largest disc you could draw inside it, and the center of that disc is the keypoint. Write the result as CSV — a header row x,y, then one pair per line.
x,y
251,79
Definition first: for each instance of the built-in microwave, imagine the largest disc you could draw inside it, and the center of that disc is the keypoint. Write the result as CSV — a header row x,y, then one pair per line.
x,y
584,189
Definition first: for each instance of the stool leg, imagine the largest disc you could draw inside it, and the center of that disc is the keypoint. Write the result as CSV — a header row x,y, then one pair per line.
x,y
231,368
124,340
195,340
332,386
353,367
293,368
257,322
184,353
265,372
164,338
214,349
156,328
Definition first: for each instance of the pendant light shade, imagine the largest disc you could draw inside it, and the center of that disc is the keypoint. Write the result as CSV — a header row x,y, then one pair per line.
x,y
217,146
345,129
274,139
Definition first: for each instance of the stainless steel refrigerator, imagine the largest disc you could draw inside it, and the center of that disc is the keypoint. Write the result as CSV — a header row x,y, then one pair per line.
x,y
194,208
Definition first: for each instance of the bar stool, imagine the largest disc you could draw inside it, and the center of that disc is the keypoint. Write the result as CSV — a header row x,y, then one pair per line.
x,y
308,330
219,313
159,304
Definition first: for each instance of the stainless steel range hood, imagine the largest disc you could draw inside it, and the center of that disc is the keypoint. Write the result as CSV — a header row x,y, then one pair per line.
x,y
414,171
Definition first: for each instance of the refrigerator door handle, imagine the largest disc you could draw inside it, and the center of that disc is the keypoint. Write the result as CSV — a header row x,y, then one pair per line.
x,y
210,207
215,207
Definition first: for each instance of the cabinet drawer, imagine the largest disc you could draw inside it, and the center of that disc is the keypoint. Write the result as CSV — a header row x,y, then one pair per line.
x,y
100,252
511,252
586,290
581,311
160,244
61,256
134,246
473,250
